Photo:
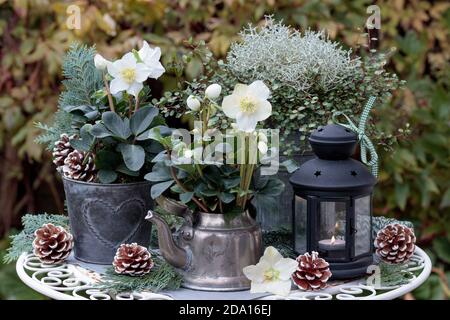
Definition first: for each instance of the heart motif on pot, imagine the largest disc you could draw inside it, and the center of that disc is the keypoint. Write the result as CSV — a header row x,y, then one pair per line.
x,y
113,226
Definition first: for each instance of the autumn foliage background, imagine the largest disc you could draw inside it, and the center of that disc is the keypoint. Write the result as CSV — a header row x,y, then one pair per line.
x,y
415,177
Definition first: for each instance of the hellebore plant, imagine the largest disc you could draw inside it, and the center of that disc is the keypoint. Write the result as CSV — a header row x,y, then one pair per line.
x,y
215,172
111,120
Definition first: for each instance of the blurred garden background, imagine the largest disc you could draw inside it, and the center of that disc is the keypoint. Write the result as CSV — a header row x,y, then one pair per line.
x,y
415,172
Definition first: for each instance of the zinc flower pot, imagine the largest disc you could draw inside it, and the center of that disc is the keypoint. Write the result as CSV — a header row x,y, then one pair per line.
x,y
103,216
282,218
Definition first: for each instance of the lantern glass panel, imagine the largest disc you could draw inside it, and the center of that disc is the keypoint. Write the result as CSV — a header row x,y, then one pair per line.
x,y
332,226
363,223
301,207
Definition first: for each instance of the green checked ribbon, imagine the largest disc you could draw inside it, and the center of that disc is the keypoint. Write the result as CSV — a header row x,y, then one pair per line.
x,y
364,141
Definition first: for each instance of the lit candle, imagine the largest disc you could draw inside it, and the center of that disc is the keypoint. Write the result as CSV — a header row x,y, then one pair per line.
x,y
332,244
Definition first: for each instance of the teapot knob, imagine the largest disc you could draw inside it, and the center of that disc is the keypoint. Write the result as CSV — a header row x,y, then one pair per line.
x,y
187,233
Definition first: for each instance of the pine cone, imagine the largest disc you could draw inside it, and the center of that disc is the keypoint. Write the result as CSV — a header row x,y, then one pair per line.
x,y
61,149
132,259
395,243
52,244
312,272
75,167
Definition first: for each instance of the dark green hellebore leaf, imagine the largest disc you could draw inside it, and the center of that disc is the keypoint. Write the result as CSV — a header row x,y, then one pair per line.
x,y
133,156
119,127
107,176
86,139
141,119
226,197
159,188
186,197
99,130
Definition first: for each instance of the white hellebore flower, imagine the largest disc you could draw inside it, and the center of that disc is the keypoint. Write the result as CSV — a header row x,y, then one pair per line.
x,y
272,273
193,103
248,105
100,62
128,75
213,91
150,57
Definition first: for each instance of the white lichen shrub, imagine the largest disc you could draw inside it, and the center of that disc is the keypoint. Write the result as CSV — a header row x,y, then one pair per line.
x,y
278,53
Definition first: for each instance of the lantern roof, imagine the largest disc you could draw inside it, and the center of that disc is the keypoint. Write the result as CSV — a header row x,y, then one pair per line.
x,y
333,133
333,175
333,170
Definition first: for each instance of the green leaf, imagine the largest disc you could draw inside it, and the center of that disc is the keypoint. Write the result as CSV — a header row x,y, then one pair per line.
x,y
290,165
133,156
445,202
107,176
119,128
273,187
108,160
442,248
159,188
160,172
431,185
186,197
141,119
176,189
226,197
122,168
401,194
231,183
208,192
99,130
86,139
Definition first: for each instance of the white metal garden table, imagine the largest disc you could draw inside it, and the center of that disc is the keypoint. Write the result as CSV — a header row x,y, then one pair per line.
x,y
76,281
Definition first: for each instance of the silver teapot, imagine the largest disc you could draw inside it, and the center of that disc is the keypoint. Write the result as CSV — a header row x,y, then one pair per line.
x,y
210,249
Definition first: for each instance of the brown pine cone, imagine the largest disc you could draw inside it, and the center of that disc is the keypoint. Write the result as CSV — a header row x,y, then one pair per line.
x,y
61,149
132,259
78,168
312,272
395,243
52,244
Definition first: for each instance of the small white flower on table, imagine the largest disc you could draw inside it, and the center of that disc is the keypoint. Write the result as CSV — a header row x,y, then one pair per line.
x,y
272,273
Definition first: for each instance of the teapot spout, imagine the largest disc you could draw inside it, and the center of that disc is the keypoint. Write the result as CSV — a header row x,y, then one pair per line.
x,y
173,254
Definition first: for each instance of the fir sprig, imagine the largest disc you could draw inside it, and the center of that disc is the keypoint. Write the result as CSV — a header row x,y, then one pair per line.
x,y
62,123
393,274
82,79
281,240
22,242
162,276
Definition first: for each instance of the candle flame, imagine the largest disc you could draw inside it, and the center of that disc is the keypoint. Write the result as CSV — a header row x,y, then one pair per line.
x,y
333,240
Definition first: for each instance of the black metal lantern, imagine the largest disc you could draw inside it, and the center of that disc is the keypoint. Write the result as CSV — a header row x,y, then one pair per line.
x,y
333,203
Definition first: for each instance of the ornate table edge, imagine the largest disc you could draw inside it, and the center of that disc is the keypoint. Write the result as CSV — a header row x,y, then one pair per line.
x,y
71,282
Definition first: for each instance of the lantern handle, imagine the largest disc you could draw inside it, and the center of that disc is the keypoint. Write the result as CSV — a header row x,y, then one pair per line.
x,y
365,143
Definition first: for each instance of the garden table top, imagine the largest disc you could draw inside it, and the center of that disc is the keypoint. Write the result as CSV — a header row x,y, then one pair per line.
x,y
75,280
